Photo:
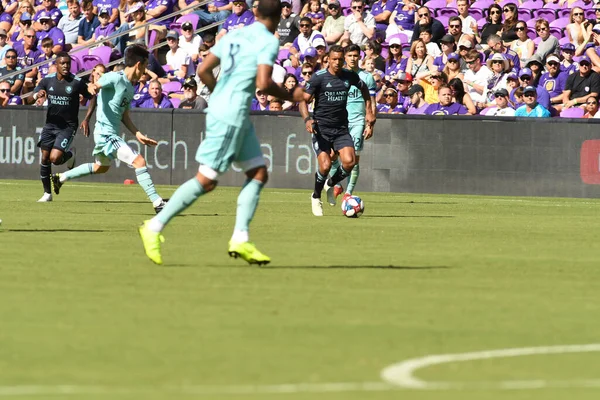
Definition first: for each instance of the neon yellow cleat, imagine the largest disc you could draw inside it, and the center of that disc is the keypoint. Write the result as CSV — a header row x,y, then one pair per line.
x,y
151,241
248,252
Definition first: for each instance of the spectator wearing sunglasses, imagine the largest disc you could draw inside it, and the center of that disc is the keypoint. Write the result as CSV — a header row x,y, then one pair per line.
x,y
3,45
477,76
511,17
391,105
455,29
289,25
395,61
359,26
333,28
591,108
402,19
493,24
426,20
6,97
452,67
523,46
581,86
239,18
554,81
549,44
496,45
579,27
16,81
531,108
501,107
303,41
526,79
25,22
190,41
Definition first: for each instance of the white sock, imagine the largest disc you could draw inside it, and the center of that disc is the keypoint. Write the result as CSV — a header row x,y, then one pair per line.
x,y
239,236
156,202
155,225
62,178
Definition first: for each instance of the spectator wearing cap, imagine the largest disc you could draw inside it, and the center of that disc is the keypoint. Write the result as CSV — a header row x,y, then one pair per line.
x,y
382,11
420,64
178,60
461,97
526,79
239,18
373,51
49,30
190,41
260,102
69,24
157,98
321,48
452,67
578,27
48,9
448,46
333,27
432,48
309,58
536,65
400,83
531,108
567,64
125,16
16,81
160,8
495,45
580,86
6,20
391,105
417,104
549,44
289,25
106,28
214,12
402,19
523,46
424,19
463,49
446,105
88,23
554,81
359,26
501,107
112,6
469,24
493,24
24,22
500,68
591,108
303,41
191,99
395,61
4,46
476,77
455,29
6,97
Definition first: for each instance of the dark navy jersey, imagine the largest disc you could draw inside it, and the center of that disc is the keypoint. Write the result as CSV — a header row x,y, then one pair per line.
x,y
12,80
331,94
63,100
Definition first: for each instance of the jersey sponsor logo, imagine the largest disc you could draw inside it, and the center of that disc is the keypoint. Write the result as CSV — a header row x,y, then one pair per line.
x,y
346,83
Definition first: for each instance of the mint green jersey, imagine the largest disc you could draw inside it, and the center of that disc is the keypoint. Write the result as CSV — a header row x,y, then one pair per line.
x,y
241,51
356,103
113,99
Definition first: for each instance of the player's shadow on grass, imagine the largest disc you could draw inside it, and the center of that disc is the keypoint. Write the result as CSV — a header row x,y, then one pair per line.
x,y
60,230
108,201
408,216
391,267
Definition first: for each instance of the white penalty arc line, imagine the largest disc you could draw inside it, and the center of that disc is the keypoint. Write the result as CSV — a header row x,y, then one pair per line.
x,y
403,374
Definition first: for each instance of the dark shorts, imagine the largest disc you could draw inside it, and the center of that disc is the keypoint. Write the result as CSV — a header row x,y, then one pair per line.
x,y
54,138
326,139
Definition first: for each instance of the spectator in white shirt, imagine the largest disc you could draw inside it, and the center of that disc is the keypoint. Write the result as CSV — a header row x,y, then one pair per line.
x,y
190,41
359,26
476,77
469,24
177,58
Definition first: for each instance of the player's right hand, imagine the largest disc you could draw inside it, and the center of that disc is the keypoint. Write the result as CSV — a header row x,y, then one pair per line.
x,y
309,126
85,126
145,140
92,89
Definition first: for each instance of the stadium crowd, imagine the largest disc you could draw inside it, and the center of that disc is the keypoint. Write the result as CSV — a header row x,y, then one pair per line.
x,y
536,58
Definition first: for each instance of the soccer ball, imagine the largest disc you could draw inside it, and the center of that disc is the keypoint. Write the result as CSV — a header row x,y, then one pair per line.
x,y
352,206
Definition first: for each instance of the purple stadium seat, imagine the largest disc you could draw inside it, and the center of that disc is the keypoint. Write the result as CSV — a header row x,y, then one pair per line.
x,y
485,110
103,52
581,4
482,4
384,50
505,2
345,3
436,4
545,13
531,33
556,32
175,101
525,14
563,40
346,11
481,22
553,6
476,13
446,12
563,12
402,36
283,54
75,65
590,14
443,19
193,18
573,112
90,61
559,23
170,87
532,5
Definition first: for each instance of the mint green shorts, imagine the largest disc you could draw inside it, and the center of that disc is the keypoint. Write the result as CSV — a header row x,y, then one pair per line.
x,y
225,144
356,131
110,147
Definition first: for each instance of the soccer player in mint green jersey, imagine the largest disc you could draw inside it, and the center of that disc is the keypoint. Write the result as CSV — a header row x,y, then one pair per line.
x,y
246,56
115,93
356,116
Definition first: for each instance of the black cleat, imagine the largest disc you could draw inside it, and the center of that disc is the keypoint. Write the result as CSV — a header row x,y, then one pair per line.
x,y
56,183
162,205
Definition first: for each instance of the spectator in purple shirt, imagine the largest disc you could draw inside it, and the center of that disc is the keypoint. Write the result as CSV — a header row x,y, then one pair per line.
x,y
214,12
106,28
6,97
240,17
391,105
395,61
554,81
50,9
24,23
417,105
315,14
445,106
6,20
49,30
382,10
26,56
159,8
261,102
112,6
157,99
47,54
402,19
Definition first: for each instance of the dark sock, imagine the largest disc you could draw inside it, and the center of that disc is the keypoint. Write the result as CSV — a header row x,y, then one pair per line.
x,y
45,172
319,183
65,157
339,176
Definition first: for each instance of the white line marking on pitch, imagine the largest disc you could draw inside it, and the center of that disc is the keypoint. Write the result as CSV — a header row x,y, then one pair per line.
x,y
402,374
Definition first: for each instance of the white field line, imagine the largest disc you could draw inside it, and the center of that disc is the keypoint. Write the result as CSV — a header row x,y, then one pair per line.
x,y
402,374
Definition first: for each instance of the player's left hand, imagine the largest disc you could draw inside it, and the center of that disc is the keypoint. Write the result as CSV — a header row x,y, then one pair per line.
x,y
368,132
85,127
92,89
145,140
370,119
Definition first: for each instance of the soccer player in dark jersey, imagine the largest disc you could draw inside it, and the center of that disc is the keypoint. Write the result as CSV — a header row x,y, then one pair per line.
x,y
329,124
62,90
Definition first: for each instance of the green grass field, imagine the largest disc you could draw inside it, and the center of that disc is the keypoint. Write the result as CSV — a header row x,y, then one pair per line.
x,y
84,315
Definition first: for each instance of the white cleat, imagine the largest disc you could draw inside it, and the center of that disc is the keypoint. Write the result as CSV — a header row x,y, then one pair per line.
x,y
71,162
330,190
45,198
317,206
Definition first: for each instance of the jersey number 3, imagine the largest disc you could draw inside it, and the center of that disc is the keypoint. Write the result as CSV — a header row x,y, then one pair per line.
x,y
234,49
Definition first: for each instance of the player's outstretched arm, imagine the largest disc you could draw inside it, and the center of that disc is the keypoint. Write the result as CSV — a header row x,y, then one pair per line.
x,y
133,129
205,71
85,124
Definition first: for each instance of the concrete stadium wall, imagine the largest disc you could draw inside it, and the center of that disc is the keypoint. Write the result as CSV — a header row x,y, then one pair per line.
x,y
468,155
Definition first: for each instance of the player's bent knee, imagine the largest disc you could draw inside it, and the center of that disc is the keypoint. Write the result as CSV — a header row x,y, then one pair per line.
x,y
101,169
260,174
139,162
207,177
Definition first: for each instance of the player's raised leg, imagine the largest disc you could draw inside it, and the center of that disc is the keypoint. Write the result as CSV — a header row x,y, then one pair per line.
x,y
356,131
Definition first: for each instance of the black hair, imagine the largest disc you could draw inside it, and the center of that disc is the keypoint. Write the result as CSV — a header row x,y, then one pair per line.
x,y
134,54
270,9
12,51
336,48
489,15
306,19
459,89
62,54
375,45
285,78
426,29
352,47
